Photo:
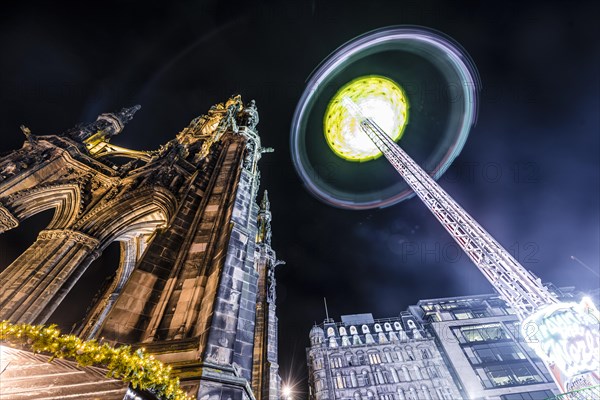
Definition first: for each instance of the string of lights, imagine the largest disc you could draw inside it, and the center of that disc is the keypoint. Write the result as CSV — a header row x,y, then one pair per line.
x,y
140,370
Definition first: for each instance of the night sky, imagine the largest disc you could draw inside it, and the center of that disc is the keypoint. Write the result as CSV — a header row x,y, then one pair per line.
x,y
529,172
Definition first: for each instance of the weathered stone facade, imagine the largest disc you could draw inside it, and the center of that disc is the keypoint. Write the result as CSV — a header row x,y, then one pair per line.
x,y
190,286
387,359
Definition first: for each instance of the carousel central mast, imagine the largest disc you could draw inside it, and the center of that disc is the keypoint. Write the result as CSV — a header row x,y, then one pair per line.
x,y
518,287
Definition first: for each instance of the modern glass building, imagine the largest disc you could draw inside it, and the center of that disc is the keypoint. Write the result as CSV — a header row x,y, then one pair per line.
x,y
480,339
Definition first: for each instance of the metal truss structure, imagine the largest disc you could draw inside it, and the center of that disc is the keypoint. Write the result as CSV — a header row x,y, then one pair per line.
x,y
518,287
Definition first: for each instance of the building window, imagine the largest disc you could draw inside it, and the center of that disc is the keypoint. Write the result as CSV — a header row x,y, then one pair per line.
x,y
426,394
361,357
406,374
494,352
366,378
379,377
410,353
387,353
425,353
483,313
350,358
465,314
357,396
353,380
509,374
433,372
374,358
412,394
336,362
398,352
401,394
480,333
395,377
418,375
536,395
339,381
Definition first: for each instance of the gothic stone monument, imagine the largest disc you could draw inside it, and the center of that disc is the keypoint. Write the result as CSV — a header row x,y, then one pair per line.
x,y
195,285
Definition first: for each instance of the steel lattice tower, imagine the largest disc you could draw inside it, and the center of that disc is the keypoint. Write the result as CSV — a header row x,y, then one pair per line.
x,y
519,288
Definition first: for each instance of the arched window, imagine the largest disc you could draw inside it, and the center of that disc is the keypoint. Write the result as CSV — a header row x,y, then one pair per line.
x,y
377,328
433,372
418,375
353,330
411,324
374,357
387,352
361,357
387,326
398,352
350,359
410,353
339,381
366,378
379,377
318,385
412,394
386,376
395,377
406,374
336,361
370,395
343,331
365,329
401,394
353,380
330,332
397,326
426,394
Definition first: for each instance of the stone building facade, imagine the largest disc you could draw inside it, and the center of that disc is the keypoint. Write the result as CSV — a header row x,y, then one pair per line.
x,y
195,284
361,358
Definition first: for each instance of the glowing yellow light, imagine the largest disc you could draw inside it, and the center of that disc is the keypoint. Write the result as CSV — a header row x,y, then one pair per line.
x,y
380,99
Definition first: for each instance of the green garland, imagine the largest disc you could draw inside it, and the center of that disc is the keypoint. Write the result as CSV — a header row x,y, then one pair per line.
x,y
135,367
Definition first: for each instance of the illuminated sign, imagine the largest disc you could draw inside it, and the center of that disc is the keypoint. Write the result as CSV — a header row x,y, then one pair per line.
x,y
567,337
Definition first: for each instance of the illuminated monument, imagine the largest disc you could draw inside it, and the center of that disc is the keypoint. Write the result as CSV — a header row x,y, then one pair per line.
x,y
420,87
195,286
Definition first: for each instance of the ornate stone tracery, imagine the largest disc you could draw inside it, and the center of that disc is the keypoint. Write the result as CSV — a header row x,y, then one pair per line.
x,y
186,217
7,220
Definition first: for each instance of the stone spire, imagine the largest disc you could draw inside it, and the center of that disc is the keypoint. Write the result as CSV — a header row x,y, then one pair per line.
x,y
263,235
106,126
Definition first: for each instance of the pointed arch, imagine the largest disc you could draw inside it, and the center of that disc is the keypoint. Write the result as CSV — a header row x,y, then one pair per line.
x,y
137,212
64,198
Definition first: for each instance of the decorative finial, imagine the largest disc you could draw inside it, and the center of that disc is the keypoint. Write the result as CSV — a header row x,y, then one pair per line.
x,y
126,114
106,126
265,205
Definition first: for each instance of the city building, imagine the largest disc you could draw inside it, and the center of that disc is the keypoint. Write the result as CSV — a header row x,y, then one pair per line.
x,y
480,339
195,286
387,359
473,343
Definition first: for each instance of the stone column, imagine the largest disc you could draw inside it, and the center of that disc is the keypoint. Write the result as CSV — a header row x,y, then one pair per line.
x,y
32,284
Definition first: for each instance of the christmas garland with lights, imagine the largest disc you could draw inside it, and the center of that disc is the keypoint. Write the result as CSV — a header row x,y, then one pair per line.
x,y
135,367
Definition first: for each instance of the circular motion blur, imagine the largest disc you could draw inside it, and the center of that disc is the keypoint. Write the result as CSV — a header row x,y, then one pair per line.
x,y
390,73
